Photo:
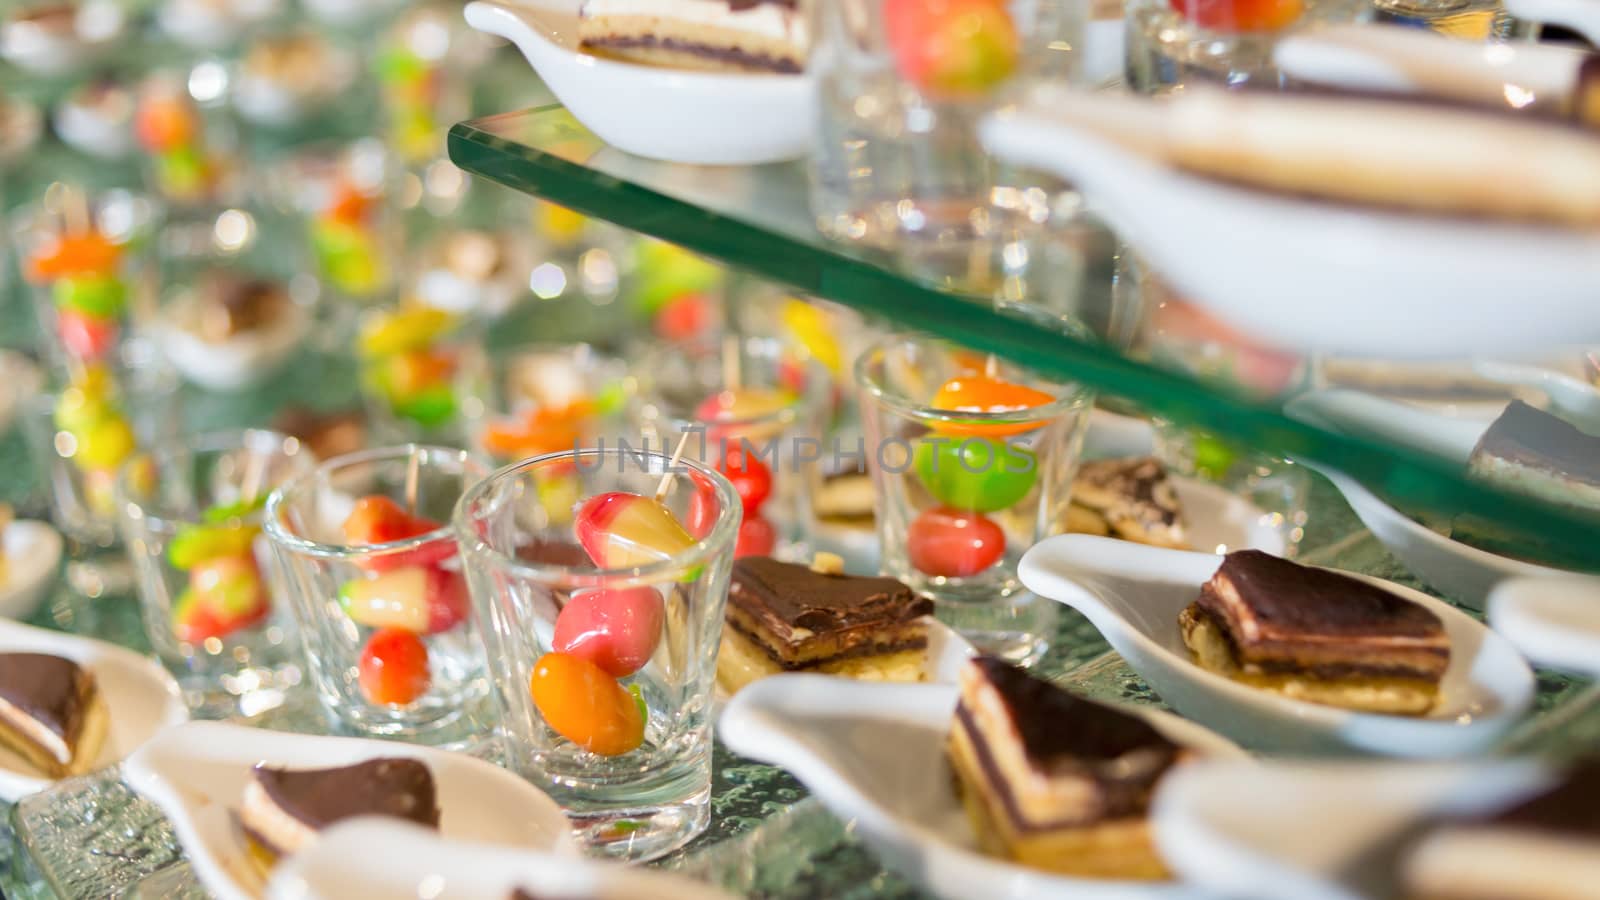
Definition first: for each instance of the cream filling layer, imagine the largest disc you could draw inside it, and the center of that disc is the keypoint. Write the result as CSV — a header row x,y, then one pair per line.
x,y
769,20
36,732
266,818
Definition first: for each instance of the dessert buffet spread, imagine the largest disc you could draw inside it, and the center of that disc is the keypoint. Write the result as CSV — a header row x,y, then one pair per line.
x,y
408,538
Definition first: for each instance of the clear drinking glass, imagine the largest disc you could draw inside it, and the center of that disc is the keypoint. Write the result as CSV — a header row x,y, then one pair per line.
x,y
604,677
1276,486
961,494
536,399
377,590
1175,43
209,589
755,411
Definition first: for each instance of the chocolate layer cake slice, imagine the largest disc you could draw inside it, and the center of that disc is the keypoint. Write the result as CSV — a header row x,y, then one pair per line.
x,y
716,35
788,618
1316,636
51,713
285,808
1546,847
1532,452
1055,781
1127,498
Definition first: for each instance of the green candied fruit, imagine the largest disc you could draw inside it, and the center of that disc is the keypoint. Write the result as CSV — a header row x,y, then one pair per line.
x,y
348,257
429,407
195,544
182,171
638,700
96,296
223,513
975,473
1213,457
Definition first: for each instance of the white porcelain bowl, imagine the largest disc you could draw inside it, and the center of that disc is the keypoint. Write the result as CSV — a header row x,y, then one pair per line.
x,y
1555,622
1133,595
197,774
706,118
874,754
140,697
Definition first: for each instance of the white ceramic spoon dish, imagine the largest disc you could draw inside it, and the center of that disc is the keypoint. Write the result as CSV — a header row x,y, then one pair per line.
x,y
1456,569
140,697
1444,295
707,118
384,859
874,754
1314,830
197,774
1133,595
32,555
1555,622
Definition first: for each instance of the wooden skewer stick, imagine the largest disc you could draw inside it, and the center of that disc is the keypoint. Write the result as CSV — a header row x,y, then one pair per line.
x,y
731,376
254,475
665,487
991,367
413,473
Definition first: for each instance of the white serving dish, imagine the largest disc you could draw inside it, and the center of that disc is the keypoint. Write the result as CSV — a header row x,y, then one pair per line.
x,y
33,555
97,26
1555,622
140,697
1582,16
239,361
1133,595
706,118
1458,570
874,754
1315,830
416,862
197,774
1445,294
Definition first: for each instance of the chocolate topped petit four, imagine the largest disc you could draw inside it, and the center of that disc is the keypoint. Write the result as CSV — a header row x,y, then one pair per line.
x,y
51,712
783,617
717,35
285,808
1127,498
1316,636
1533,452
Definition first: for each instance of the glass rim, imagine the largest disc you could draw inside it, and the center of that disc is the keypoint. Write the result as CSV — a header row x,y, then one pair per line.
x,y
812,398
219,441
721,533
272,515
1074,394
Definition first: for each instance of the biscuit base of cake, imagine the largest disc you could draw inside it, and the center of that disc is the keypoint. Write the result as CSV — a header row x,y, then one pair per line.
x,y
1362,692
1494,863
96,722
741,661
660,41
1120,849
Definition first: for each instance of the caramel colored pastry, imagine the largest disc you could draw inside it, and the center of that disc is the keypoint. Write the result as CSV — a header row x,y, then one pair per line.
x,y
1544,848
1533,452
1127,498
788,618
234,307
713,35
327,434
284,809
845,498
1055,781
1317,636
51,713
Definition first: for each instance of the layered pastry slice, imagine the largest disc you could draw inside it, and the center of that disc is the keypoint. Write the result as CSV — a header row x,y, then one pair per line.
x,y
1317,636
716,35
845,498
1544,848
783,617
1132,499
1533,452
51,713
285,808
1055,781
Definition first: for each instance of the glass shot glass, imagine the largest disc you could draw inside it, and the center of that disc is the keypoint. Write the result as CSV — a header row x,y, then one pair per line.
x,y
1172,44
604,676
756,412
536,399
209,591
376,587
972,462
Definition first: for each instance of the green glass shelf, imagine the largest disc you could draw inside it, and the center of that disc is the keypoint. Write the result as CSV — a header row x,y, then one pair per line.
x,y
756,219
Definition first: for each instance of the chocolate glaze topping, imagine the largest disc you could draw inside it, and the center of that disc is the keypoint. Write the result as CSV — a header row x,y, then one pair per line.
x,y
741,5
785,596
755,61
1059,728
1290,600
402,788
1529,436
51,690
1143,482
1570,807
